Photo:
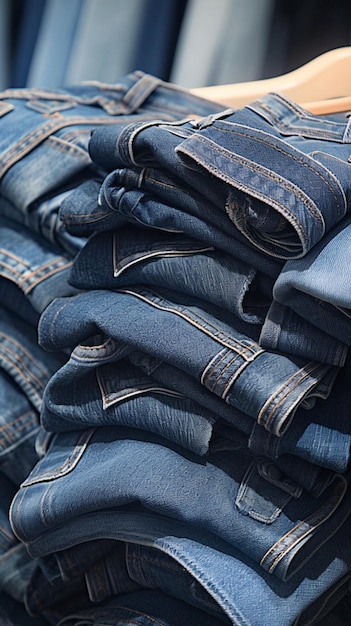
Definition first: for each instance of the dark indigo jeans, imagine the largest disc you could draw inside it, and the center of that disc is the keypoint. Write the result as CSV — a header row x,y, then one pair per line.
x,y
45,136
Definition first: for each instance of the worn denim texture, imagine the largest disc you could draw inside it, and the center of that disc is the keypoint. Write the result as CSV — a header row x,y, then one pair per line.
x,y
45,136
221,570
110,386
209,345
318,433
317,287
287,172
151,198
185,454
132,255
143,608
36,267
252,506
285,227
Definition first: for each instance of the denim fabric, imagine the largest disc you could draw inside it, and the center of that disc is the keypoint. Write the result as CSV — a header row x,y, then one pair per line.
x,y
13,613
132,256
220,569
277,172
143,608
23,359
83,394
321,435
253,506
177,379
317,287
305,436
111,568
150,198
103,389
231,364
153,568
16,566
25,368
78,578
45,136
287,172
19,426
285,331
38,268
53,599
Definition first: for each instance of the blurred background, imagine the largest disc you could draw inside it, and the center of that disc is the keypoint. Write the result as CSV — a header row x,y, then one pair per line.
x,y
193,43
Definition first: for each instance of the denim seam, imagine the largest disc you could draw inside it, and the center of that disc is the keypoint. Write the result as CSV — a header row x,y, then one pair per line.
x,y
28,356
215,364
42,273
136,95
212,589
68,464
245,488
35,384
276,177
131,392
223,339
169,567
302,114
17,425
280,396
34,138
128,260
66,147
304,528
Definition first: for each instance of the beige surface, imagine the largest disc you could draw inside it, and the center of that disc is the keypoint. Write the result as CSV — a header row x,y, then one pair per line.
x,y
322,85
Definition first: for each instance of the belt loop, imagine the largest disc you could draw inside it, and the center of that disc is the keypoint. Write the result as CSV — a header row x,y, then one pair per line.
x,y
140,91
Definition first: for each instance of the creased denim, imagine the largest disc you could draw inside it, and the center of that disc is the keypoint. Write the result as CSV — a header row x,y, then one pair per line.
x,y
83,394
45,136
252,506
222,570
317,287
151,198
287,172
36,267
143,608
132,255
16,566
217,353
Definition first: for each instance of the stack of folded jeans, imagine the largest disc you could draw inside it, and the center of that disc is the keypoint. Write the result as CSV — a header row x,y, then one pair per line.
x,y
194,443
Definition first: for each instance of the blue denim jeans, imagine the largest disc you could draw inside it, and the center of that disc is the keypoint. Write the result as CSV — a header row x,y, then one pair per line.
x,y
88,575
132,255
23,359
285,331
19,426
317,288
33,271
143,608
16,566
83,394
277,172
25,368
215,348
109,386
321,435
253,505
325,420
286,172
221,570
150,198
45,136
178,147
